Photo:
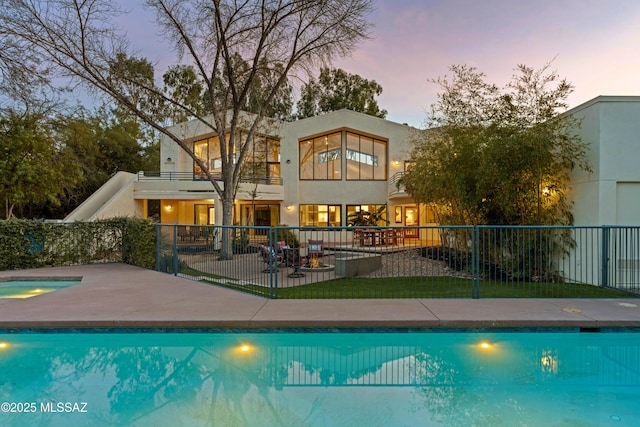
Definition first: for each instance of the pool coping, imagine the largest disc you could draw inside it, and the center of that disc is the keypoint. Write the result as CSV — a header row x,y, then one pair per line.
x,y
121,296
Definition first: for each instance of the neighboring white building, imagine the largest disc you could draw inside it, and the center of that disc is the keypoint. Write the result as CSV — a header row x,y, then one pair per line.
x,y
610,195
312,172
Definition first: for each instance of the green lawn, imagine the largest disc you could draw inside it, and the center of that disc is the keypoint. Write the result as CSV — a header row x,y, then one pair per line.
x,y
421,287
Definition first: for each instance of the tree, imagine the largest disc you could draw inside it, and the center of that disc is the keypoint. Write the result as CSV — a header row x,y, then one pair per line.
x,y
498,156
100,144
336,89
182,82
275,39
23,78
32,169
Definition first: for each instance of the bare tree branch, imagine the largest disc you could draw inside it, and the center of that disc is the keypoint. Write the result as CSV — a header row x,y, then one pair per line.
x,y
275,38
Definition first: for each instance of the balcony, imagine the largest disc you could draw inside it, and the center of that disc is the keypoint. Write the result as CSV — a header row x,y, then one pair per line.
x,y
191,176
396,189
188,185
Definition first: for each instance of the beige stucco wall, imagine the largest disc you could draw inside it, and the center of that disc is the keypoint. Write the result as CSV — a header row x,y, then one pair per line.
x,y
114,199
611,128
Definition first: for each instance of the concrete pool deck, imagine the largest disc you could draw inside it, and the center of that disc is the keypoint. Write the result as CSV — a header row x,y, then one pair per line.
x,y
123,296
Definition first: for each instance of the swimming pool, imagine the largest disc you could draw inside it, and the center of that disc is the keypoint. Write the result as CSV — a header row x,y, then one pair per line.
x,y
406,378
27,288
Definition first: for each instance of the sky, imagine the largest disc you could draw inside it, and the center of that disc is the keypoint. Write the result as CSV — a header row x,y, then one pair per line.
x,y
594,44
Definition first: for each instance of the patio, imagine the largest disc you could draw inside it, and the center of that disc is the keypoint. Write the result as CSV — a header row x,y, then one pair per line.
x,y
123,296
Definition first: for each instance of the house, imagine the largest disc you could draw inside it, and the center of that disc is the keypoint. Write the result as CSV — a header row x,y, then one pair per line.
x,y
311,172
319,170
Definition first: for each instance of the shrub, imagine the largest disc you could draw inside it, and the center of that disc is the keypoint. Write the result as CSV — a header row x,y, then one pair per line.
x,y
35,243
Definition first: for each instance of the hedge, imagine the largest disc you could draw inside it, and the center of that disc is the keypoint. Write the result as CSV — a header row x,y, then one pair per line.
x,y
35,243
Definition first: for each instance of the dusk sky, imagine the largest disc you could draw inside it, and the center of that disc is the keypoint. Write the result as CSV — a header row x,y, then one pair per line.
x,y
595,44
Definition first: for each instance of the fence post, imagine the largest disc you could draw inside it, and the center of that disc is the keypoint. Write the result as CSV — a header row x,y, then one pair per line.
x,y
175,250
273,264
605,256
475,263
158,247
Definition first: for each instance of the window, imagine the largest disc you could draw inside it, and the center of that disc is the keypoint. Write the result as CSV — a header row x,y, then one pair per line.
x,y
262,160
321,158
366,158
359,213
320,215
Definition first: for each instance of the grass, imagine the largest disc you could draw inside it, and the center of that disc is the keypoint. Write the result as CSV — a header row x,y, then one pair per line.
x,y
418,287
443,287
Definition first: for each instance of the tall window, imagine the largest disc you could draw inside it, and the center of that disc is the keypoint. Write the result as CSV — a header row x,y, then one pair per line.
x,y
321,158
262,160
208,151
320,215
366,158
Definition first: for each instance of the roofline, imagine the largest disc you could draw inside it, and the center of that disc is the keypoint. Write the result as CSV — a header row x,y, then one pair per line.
x,y
603,99
343,110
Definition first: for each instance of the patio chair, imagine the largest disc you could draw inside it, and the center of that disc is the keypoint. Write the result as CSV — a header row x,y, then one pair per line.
x,y
316,249
197,232
292,259
272,257
182,232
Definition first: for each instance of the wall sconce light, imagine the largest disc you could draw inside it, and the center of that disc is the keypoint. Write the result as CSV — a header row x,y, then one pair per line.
x,y
288,162
289,207
169,208
396,163
169,159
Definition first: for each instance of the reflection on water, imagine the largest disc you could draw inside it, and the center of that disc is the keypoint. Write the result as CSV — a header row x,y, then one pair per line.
x,y
323,379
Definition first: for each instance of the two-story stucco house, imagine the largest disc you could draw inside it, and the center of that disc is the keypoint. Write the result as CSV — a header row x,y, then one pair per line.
x,y
319,170
311,172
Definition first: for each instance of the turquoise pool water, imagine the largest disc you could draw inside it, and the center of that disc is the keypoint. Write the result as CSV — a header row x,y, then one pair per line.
x,y
31,288
320,379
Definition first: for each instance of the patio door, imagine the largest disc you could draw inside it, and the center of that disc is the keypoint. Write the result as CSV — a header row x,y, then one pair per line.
x,y
204,214
411,220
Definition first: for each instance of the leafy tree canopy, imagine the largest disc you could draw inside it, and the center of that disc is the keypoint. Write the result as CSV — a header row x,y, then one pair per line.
x,y
336,89
496,155
32,169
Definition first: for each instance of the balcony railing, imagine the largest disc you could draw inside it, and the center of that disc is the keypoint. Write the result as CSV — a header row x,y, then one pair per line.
x,y
190,176
395,186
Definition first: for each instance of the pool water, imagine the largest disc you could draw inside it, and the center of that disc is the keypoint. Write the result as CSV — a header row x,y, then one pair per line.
x,y
322,379
31,288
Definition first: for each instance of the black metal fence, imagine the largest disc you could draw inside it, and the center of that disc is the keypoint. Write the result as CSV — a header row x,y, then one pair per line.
x,y
407,262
